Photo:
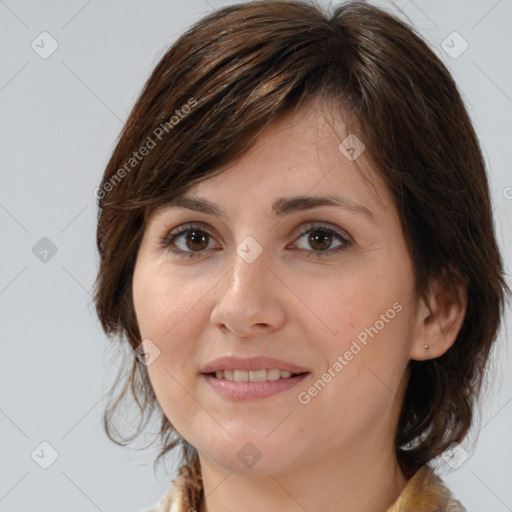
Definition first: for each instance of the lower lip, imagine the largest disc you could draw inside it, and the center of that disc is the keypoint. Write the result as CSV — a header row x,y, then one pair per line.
x,y
252,390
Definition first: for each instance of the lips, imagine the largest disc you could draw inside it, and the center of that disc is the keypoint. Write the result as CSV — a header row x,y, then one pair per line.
x,y
251,364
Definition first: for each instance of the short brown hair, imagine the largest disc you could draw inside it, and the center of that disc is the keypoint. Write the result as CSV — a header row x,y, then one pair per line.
x,y
241,67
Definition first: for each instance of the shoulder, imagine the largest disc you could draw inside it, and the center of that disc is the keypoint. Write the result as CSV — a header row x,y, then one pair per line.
x,y
170,502
425,490
184,494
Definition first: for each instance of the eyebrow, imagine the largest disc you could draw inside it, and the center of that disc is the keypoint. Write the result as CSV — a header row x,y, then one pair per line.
x,y
280,208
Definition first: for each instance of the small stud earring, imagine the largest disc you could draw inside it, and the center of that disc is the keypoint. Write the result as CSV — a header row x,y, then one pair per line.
x,y
426,351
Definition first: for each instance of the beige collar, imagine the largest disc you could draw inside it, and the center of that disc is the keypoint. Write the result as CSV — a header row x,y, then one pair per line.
x,y
424,492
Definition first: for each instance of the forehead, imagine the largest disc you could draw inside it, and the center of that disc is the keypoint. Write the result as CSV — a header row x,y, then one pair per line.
x,y
302,153
300,160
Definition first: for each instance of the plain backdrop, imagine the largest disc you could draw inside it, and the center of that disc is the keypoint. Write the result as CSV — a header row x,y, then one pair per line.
x,y
70,73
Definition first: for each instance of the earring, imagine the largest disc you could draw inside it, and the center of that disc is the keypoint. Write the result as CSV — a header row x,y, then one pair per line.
x,y
426,351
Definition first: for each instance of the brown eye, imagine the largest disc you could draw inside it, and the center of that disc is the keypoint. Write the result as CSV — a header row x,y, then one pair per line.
x,y
191,240
196,240
188,241
321,240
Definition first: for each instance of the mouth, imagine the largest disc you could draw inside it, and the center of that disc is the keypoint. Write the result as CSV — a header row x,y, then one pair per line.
x,y
251,378
242,385
261,375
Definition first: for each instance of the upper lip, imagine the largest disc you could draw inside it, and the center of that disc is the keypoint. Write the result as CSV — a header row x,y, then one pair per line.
x,y
250,364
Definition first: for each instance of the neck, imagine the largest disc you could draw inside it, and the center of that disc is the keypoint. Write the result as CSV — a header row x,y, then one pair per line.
x,y
366,480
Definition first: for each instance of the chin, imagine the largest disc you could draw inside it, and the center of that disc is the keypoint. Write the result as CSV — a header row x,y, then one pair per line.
x,y
248,455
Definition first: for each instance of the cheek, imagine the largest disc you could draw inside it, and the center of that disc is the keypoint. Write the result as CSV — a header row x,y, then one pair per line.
x,y
163,302
168,310
364,366
365,321
173,371
351,300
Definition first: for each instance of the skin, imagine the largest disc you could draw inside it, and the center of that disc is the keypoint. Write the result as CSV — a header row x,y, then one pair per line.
x,y
336,452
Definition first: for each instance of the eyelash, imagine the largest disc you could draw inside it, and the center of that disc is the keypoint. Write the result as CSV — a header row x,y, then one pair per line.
x,y
168,240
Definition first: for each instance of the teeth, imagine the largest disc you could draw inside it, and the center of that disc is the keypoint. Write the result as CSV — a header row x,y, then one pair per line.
x,y
257,376
253,376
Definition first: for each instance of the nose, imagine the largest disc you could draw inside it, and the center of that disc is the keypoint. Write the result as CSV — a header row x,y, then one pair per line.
x,y
250,299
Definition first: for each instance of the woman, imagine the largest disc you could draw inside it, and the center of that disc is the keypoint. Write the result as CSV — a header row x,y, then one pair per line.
x,y
297,244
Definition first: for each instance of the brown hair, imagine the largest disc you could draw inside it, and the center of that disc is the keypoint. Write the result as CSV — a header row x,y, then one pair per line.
x,y
227,78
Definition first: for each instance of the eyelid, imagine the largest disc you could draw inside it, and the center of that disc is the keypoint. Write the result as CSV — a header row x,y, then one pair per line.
x,y
318,224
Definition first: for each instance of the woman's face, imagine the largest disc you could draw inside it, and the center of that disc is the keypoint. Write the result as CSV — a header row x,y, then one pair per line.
x,y
326,288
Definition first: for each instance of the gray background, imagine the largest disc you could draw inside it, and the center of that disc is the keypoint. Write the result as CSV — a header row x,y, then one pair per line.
x,y
60,117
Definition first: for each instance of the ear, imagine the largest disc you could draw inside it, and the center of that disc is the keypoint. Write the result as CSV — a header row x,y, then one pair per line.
x,y
439,325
